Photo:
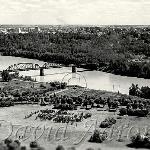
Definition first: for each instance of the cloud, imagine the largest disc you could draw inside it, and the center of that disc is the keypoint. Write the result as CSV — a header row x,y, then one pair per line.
x,y
75,11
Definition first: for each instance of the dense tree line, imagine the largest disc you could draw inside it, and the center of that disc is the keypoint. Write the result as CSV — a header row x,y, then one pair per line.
x,y
135,69
143,92
111,51
6,76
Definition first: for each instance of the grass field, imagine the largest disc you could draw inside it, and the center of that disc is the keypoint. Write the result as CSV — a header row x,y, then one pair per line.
x,y
50,134
75,135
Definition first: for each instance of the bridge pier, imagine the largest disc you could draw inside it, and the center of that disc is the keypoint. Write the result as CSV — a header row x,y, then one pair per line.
x,y
74,69
41,71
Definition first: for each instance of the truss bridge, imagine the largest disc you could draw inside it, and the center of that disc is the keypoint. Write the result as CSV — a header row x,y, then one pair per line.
x,y
32,66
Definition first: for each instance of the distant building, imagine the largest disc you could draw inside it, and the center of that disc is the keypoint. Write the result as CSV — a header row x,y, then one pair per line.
x,y
11,30
3,30
14,30
19,30
30,30
34,30
37,29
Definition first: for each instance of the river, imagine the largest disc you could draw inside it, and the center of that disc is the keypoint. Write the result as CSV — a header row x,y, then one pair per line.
x,y
90,79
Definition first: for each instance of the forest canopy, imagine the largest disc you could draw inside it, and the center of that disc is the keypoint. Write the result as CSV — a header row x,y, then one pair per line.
x,y
112,51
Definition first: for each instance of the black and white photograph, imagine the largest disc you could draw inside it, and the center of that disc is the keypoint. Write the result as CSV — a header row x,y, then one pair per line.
x,y
74,74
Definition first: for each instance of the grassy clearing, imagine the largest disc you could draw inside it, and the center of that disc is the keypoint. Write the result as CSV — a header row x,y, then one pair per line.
x,y
77,131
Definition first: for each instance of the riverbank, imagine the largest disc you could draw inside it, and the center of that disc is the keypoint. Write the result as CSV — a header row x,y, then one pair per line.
x,y
95,79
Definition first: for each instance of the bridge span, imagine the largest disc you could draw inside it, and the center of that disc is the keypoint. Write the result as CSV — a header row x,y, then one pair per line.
x,y
32,66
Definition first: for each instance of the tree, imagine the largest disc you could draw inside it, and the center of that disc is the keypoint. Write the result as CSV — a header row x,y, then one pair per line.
x,y
134,90
5,76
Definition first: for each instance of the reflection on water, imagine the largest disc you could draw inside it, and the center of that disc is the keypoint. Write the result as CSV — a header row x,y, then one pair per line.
x,y
95,79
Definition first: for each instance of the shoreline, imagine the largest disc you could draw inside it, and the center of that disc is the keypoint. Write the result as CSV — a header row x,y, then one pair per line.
x,y
69,88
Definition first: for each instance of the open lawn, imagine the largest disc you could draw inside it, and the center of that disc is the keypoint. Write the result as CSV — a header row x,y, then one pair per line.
x,y
50,134
75,135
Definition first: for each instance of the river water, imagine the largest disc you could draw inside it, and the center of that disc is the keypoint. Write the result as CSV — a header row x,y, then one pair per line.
x,y
90,79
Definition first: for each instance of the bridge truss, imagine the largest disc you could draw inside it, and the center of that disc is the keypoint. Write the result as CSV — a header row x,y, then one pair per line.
x,y
31,66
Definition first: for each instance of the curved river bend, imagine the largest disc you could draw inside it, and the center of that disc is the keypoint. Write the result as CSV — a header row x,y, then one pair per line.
x,y
93,79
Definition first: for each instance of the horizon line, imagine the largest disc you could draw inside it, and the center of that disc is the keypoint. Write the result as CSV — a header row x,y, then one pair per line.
x,y
80,24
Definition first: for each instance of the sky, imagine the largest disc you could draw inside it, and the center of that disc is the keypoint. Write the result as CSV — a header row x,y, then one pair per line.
x,y
75,12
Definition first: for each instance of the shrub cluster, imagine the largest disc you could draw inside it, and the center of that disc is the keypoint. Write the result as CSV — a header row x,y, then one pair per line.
x,y
64,106
98,137
107,123
59,116
87,115
134,112
9,144
141,141
6,103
